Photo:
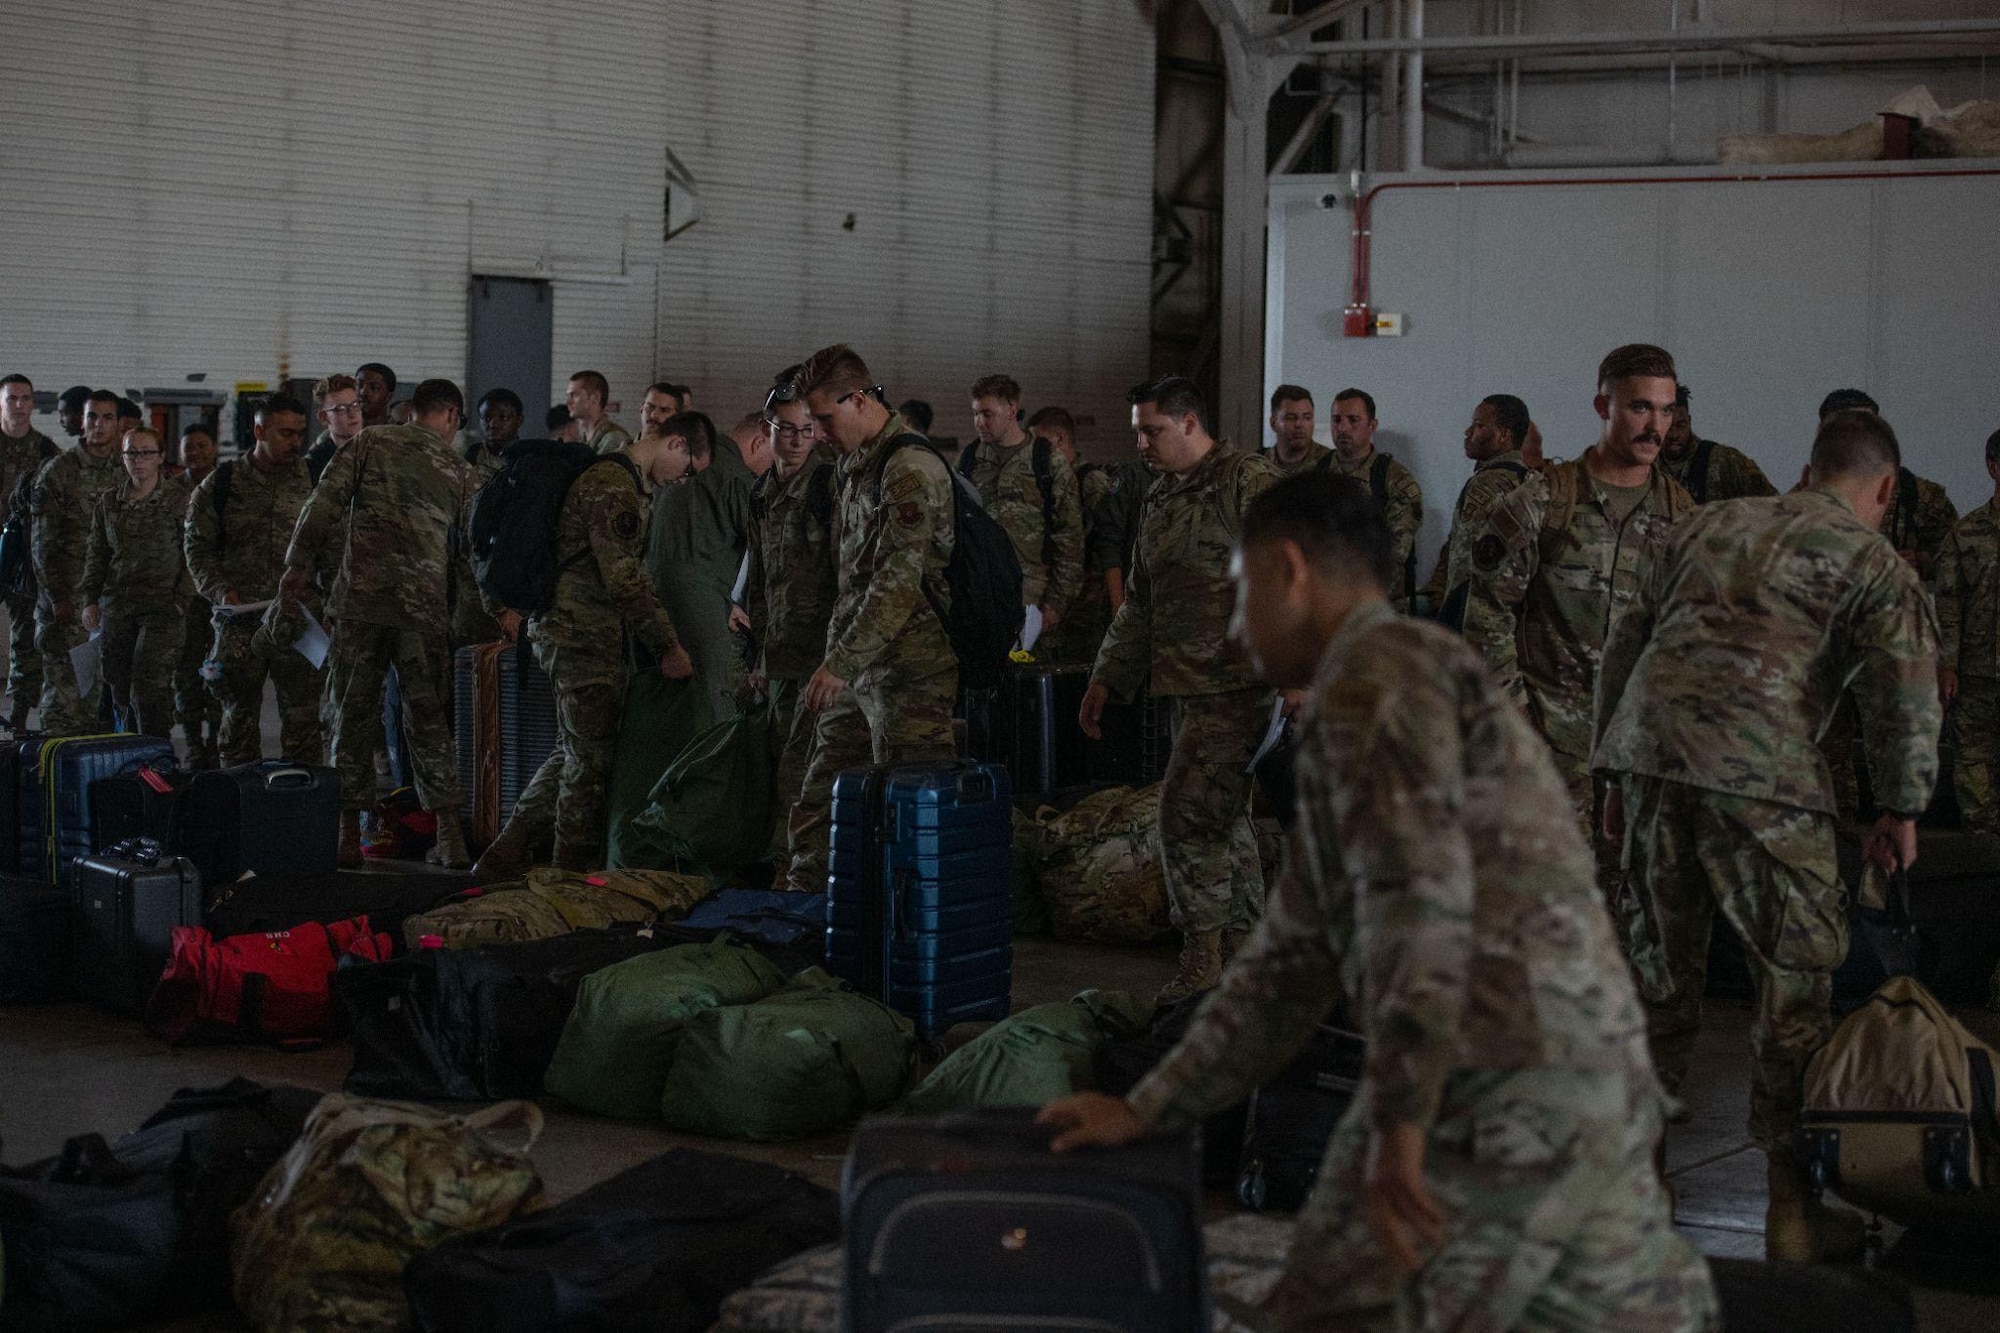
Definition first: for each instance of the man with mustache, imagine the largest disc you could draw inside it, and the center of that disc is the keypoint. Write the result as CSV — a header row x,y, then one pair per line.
x,y
1560,556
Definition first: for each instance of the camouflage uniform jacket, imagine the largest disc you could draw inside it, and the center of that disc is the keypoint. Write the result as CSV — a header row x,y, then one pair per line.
x,y
1178,597
1726,666
21,456
892,528
484,462
1051,552
1711,471
63,501
1968,595
608,435
400,500
134,565
1433,883
789,593
1402,506
1920,519
243,551
1112,519
1316,455
601,549
1490,482
1544,591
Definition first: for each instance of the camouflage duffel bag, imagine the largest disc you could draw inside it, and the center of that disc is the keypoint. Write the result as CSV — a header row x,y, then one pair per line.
x,y
550,902
369,1185
1100,868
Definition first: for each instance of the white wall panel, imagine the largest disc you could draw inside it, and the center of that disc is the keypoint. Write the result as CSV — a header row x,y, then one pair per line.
x,y
243,190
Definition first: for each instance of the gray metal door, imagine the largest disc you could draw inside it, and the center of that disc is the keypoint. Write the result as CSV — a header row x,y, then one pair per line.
x,y
510,340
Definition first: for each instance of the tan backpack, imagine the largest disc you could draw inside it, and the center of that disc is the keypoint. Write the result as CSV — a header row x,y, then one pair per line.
x,y
1899,1111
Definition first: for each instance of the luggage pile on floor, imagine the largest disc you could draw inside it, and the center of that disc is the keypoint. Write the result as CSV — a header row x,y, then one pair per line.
x,y
547,902
1033,1057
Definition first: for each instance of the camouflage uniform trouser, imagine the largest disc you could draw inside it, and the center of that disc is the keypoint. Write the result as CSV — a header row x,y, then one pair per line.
x,y
1586,798
1556,1219
139,656
874,721
247,659
1769,870
197,708
24,663
791,751
1978,714
568,795
356,668
1208,849
66,711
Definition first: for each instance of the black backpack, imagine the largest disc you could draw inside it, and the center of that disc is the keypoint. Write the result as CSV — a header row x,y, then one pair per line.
x,y
1045,482
17,559
984,575
515,515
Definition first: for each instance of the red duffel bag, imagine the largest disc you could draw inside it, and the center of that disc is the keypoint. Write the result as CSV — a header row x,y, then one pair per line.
x,y
273,987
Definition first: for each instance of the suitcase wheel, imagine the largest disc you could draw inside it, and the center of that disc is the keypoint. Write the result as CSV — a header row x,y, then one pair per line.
x,y
1250,1189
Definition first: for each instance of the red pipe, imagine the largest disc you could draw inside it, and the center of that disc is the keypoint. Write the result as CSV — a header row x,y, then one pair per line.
x,y
1359,320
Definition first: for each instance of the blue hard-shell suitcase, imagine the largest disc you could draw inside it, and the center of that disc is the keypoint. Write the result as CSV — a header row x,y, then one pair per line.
x,y
918,907
55,809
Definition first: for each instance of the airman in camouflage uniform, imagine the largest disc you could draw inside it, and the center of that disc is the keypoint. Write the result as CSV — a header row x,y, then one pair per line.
x,y
23,450
1715,683
136,586
1174,625
1006,465
589,393
1558,558
1395,488
1968,612
1496,1168
580,643
62,501
1089,615
1708,469
389,517
197,709
1493,442
500,416
790,589
239,525
885,688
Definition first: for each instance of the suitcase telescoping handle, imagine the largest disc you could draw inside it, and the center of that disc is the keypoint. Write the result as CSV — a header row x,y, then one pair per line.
x,y
974,786
280,779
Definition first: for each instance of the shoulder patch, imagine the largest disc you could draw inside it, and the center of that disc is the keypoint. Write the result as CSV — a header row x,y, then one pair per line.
x,y
1488,552
902,487
1349,701
625,526
910,514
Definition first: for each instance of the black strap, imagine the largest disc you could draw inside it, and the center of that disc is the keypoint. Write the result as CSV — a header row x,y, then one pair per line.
x,y
968,458
1045,482
1697,473
1906,509
1984,1121
224,472
1378,478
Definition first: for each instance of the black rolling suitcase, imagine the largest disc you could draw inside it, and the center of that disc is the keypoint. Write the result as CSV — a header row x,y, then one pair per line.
x,y
56,823
969,1221
1120,1066
11,769
268,818
35,941
145,804
127,905
1291,1117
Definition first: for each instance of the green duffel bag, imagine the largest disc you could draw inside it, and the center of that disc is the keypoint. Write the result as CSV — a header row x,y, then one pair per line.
x,y
628,1020
803,1060
1033,1057
713,805
661,716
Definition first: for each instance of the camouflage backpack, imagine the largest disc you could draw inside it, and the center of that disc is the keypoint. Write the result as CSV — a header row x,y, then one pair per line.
x,y
368,1186
1100,868
550,902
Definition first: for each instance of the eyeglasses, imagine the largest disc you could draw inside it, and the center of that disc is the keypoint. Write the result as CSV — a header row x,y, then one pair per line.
x,y
142,453
873,390
779,396
783,433
342,409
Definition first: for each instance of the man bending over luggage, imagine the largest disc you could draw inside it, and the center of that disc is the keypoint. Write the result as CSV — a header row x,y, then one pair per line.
x,y
1496,1168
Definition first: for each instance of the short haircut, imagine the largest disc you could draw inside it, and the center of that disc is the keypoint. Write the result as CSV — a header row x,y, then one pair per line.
x,y
76,395
1509,414
1854,442
555,418
130,411
1636,361
16,379
677,392
1993,447
203,428
1290,393
838,370
1333,519
695,428
332,385
918,413
503,398
277,405
1003,387
1840,400
105,396
1173,395
432,395
1055,418
1367,399
388,375
594,382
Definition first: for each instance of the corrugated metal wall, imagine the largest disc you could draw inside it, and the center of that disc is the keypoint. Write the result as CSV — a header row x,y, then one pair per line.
x,y
243,189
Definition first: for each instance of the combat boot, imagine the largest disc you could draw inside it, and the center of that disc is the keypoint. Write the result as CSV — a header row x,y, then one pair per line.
x,y
348,854
507,857
450,850
1800,1229
1201,967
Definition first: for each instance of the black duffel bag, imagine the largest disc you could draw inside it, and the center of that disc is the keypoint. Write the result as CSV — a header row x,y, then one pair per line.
x,y
654,1248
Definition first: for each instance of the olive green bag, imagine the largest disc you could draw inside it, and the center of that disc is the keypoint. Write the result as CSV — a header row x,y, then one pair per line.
x,y
629,1017
803,1060
712,807
661,716
1033,1057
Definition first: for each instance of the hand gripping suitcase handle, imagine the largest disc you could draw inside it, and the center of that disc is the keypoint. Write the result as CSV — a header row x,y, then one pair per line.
x,y
279,779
